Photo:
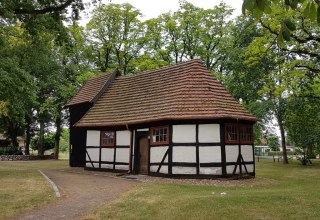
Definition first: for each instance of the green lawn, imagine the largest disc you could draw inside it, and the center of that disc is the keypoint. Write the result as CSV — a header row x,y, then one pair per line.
x,y
22,187
291,192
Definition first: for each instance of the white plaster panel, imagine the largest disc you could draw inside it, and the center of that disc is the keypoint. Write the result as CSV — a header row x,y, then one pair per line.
x,y
184,170
247,154
210,154
107,166
93,153
107,154
123,137
157,153
211,170
184,154
250,168
184,133
230,169
232,153
96,165
122,155
209,133
93,138
122,167
163,169
89,165
154,168
143,129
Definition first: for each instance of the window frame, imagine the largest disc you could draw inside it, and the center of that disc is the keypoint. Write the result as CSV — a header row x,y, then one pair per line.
x,y
159,142
250,134
101,139
236,141
239,134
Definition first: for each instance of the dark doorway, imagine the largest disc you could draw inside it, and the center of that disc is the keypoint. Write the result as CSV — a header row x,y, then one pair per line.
x,y
141,153
143,148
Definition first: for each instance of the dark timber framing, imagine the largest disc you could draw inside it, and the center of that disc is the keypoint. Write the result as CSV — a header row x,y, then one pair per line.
x,y
167,159
77,147
114,163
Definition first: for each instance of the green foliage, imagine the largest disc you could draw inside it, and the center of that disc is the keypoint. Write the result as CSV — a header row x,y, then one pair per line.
x,y
48,142
273,142
115,33
27,10
10,150
64,141
302,123
120,39
310,9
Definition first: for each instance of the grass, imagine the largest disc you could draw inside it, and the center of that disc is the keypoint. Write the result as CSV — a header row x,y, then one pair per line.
x,y
22,187
291,192
64,155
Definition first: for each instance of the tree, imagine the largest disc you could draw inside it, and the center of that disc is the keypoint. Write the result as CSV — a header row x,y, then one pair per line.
x,y
302,123
23,9
309,9
296,61
116,35
273,142
245,81
17,90
48,142
215,34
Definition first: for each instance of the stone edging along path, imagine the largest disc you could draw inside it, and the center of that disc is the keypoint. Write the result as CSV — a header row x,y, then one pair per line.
x,y
80,194
54,186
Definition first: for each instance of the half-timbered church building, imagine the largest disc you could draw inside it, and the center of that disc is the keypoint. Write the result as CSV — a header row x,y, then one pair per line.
x,y
175,121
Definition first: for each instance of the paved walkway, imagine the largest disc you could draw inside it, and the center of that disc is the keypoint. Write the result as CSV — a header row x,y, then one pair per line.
x,y
81,192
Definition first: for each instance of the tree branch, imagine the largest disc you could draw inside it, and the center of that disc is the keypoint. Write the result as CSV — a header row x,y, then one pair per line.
x,y
62,6
315,70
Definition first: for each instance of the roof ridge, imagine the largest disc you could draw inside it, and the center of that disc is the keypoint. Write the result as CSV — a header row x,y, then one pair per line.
x,y
95,80
105,86
170,66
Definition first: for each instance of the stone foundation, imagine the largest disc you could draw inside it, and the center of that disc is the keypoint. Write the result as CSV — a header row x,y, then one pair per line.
x,y
25,157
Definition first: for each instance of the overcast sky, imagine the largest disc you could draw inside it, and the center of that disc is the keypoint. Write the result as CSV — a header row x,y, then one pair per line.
x,y
153,8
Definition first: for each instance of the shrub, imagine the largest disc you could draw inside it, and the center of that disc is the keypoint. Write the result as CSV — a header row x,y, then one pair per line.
x,y
10,150
279,153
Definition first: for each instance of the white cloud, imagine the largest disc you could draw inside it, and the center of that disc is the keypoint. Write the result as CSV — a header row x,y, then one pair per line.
x,y
153,8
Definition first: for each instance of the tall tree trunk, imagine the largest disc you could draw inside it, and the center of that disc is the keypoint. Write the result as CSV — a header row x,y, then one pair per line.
x,y
28,138
57,136
12,130
41,138
283,141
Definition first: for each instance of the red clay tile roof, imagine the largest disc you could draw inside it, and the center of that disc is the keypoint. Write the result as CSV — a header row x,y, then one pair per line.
x,y
182,91
90,89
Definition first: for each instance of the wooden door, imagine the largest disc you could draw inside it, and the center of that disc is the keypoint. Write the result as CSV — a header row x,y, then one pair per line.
x,y
144,145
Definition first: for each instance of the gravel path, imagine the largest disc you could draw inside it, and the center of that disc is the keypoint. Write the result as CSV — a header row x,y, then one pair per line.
x,y
81,192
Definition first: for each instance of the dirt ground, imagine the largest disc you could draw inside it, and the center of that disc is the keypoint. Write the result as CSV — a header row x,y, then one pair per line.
x,y
81,192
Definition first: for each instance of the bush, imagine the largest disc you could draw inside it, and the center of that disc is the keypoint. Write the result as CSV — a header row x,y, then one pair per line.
x,y
10,150
279,153
48,142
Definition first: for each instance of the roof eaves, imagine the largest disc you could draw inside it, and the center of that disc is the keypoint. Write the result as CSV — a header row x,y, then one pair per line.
x,y
134,122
